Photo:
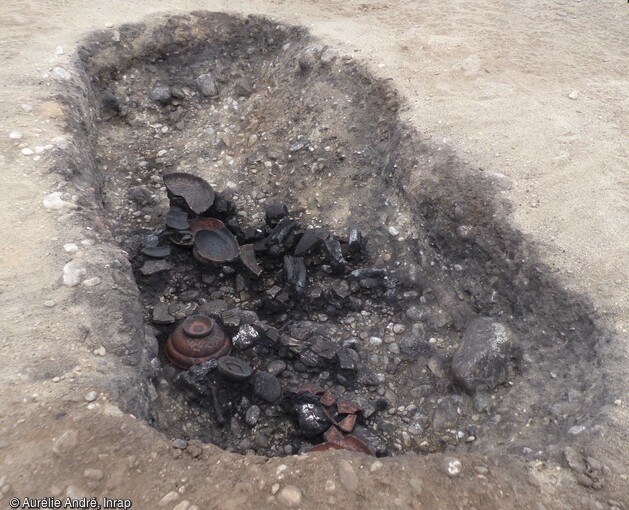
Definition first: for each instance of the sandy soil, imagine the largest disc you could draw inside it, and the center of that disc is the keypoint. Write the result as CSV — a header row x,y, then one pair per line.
x,y
536,91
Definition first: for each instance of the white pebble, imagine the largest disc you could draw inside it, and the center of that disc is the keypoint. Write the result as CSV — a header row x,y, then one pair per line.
x,y
60,72
54,201
73,273
92,282
70,247
91,396
15,135
375,341
169,498
393,231
573,95
27,108
27,152
452,466
59,50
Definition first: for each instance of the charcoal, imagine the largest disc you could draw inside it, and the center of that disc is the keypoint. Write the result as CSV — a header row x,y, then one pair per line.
x,y
311,239
365,376
355,242
335,255
367,407
347,358
324,348
295,273
233,226
246,337
371,439
248,259
196,377
253,234
367,272
231,318
295,345
281,236
310,358
311,419
275,213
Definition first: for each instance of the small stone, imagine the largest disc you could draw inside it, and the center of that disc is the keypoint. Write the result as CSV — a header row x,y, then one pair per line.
x,y
482,359
267,386
92,282
206,83
376,466
452,466
56,379
161,314
375,341
436,367
182,505
93,474
73,273
573,95
15,135
394,231
161,94
70,247
27,152
169,498
59,50
252,415
481,470
617,402
576,430
180,444
399,329
49,303
91,396
151,267
276,367
26,108
60,72
584,480
66,443
100,351
289,496
347,476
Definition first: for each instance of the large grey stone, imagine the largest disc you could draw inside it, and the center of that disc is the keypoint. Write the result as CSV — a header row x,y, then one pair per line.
x,y
482,360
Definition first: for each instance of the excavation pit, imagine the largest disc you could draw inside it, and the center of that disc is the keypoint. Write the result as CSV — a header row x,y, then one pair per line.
x,y
266,115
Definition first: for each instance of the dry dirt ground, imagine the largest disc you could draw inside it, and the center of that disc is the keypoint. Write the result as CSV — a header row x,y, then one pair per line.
x,y
537,91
